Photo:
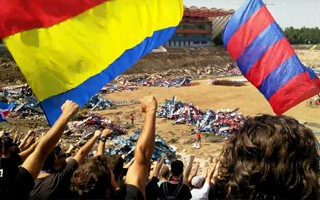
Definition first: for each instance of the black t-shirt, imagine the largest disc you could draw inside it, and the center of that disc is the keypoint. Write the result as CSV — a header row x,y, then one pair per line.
x,y
9,169
171,188
55,186
128,192
152,188
20,187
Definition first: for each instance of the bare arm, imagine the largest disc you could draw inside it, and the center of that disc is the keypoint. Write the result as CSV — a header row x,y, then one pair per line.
x,y
24,140
102,144
30,141
16,137
159,165
214,171
129,163
85,149
188,170
24,154
35,161
138,173
70,149
194,172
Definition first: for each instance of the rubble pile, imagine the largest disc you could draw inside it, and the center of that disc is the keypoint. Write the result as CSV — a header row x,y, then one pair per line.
x,y
162,82
221,122
174,77
100,103
228,83
120,143
97,102
26,105
111,88
96,121
125,146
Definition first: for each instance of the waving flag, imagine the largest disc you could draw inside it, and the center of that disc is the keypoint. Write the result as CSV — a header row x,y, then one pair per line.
x,y
5,110
71,49
266,58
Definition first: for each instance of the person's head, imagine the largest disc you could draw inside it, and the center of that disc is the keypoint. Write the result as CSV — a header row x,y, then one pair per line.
x,y
7,142
177,168
92,180
197,182
115,163
270,157
55,161
164,172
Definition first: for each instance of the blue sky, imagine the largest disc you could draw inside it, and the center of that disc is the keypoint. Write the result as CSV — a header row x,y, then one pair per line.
x,y
296,13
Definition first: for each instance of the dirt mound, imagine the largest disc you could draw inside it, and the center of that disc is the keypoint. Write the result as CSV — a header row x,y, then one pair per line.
x,y
176,58
9,72
181,58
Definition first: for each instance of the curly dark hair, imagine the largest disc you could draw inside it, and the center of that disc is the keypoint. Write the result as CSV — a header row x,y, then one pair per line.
x,y
270,157
92,180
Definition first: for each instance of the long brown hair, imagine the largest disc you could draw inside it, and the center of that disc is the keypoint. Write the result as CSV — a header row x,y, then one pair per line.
x,y
270,157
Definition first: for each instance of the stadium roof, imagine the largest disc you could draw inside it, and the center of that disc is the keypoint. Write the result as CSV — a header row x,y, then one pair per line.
x,y
194,11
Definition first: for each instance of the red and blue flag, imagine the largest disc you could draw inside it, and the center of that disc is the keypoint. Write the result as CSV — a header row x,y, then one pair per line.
x,y
5,110
266,58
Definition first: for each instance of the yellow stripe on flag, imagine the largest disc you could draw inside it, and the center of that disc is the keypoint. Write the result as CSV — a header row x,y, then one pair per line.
x,y
92,41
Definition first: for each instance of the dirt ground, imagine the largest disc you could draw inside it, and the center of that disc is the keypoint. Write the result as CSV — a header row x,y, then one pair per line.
x,y
247,98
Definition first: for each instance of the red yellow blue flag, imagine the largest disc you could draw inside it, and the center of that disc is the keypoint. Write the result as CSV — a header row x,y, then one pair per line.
x,y
266,58
71,49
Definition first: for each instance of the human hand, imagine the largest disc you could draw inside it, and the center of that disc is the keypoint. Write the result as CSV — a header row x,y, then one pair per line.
x,y
31,132
215,168
148,103
107,132
16,136
69,108
97,133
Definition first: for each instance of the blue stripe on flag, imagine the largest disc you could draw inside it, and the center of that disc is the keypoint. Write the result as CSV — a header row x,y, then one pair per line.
x,y
259,47
5,106
281,75
311,73
239,18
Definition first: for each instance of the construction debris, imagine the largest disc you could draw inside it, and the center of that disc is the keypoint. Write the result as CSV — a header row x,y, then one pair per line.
x,y
221,122
126,146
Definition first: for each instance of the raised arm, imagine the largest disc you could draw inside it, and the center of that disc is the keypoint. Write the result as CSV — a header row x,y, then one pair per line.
x,y
102,144
213,175
24,140
159,165
188,170
138,172
85,149
35,161
24,154
127,165
194,172
16,137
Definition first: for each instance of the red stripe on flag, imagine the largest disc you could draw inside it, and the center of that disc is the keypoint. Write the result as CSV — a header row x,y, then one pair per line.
x,y
21,15
316,82
6,112
249,31
274,57
292,93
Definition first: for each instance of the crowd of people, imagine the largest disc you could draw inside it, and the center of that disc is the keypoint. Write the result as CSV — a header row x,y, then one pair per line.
x,y
270,157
